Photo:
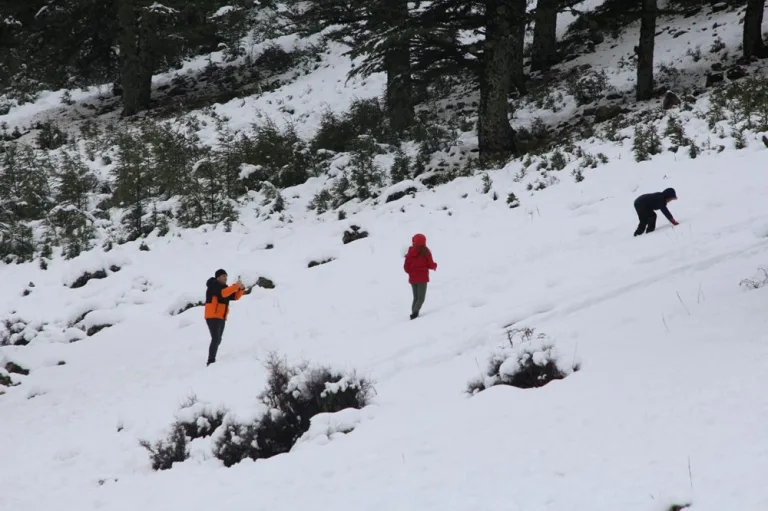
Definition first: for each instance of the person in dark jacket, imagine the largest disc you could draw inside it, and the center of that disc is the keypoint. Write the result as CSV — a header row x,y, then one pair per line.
x,y
217,298
646,206
418,262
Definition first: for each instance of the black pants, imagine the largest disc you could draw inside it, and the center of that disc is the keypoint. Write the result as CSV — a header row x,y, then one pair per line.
x,y
647,219
419,295
216,327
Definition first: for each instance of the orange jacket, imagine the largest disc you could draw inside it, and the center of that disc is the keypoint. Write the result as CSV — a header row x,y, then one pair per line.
x,y
217,297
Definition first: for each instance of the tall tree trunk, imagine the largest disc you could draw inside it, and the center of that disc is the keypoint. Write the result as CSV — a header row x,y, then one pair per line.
x,y
138,33
645,50
544,49
752,39
496,137
518,18
397,63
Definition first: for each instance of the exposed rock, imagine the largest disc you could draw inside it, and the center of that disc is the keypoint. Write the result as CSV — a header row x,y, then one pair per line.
x,y
713,78
671,100
607,112
735,73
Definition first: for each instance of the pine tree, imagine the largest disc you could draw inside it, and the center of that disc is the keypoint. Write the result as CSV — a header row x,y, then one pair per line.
x,y
645,50
205,201
71,215
24,197
752,39
25,175
401,167
377,30
134,184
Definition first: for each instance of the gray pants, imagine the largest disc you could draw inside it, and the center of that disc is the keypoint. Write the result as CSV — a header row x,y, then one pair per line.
x,y
419,294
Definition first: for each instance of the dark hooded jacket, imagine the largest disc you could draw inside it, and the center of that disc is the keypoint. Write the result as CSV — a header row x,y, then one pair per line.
x,y
217,298
655,201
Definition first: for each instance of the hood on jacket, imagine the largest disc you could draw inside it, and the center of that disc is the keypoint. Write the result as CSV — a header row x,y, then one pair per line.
x,y
212,282
419,240
669,193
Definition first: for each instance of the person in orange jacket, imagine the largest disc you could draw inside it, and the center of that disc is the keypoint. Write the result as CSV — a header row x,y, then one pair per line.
x,y
418,262
217,298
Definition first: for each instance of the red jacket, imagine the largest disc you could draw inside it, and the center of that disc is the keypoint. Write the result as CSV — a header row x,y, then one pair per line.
x,y
417,266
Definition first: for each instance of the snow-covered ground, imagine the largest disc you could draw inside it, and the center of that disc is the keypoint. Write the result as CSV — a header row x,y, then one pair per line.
x,y
674,355
669,406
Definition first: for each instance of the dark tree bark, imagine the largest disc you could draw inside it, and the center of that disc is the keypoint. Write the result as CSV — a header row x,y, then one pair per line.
x,y
518,18
753,35
137,40
397,63
544,48
645,50
496,137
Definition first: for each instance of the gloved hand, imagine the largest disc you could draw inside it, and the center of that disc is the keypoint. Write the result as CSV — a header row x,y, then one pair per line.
x,y
675,222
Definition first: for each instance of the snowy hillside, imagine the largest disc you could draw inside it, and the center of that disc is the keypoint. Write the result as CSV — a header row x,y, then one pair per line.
x,y
668,407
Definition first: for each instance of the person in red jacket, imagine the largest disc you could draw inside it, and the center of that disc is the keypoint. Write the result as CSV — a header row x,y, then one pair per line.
x,y
418,262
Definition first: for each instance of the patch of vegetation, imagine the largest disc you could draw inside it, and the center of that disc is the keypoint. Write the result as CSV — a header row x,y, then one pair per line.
x,y
528,361
588,87
743,102
294,395
340,133
13,367
354,233
312,264
646,142
761,280
86,277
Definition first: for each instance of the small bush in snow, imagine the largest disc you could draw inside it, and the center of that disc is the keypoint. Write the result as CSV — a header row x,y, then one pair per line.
x,y
529,360
487,183
13,367
675,131
312,264
83,279
401,167
353,234
5,380
194,420
512,200
50,136
646,142
164,453
588,87
757,282
364,174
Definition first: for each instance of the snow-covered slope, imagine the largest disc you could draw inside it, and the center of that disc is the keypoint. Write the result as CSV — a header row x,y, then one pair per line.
x,y
674,355
668,408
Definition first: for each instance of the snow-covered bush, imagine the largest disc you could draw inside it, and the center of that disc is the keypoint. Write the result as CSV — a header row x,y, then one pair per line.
x,y
588,87
294,395
353,234
194,420
165,452
646,142
200,420
304,391
529,360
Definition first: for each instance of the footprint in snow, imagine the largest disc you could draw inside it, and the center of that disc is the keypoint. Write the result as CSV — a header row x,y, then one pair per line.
x,y
586,231
478,302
